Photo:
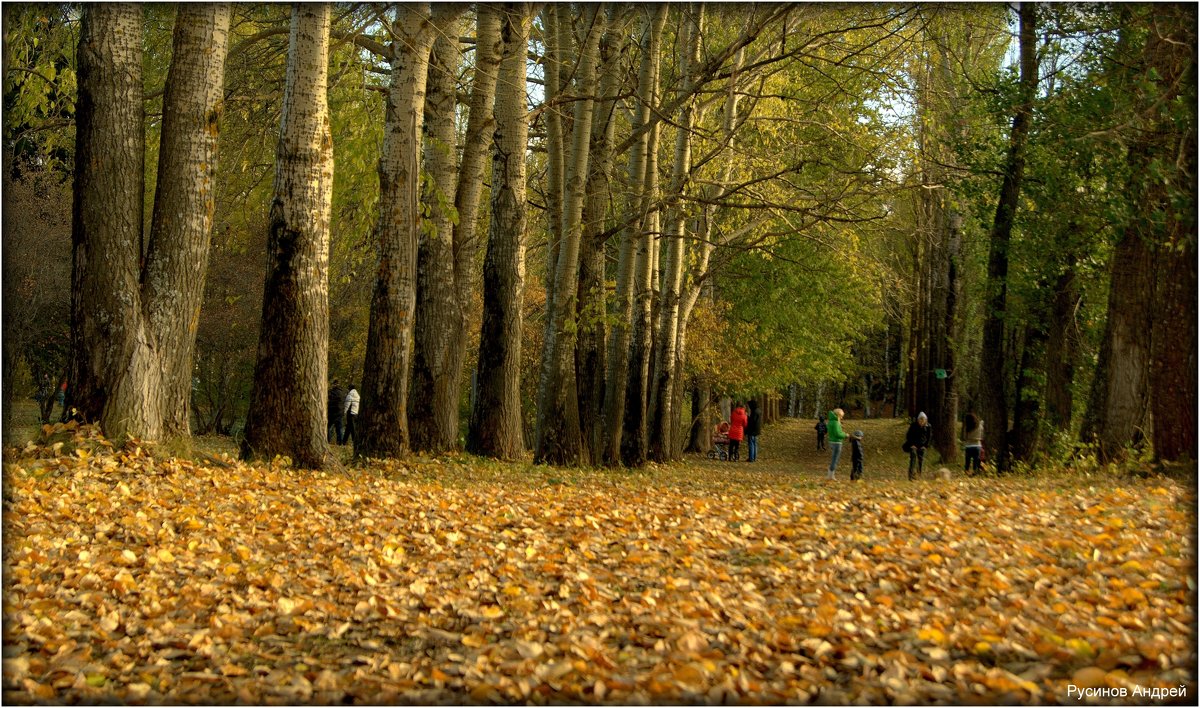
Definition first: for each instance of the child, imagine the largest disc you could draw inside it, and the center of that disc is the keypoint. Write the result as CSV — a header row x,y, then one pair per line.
x,y
821,428
856,456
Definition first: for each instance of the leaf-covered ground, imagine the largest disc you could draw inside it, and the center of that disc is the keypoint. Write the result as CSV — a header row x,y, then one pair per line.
x,y
459,580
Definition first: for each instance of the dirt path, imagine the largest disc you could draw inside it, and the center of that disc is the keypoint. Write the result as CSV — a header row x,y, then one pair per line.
x,y
788,447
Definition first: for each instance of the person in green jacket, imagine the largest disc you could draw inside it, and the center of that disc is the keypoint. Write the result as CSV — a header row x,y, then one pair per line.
x,y
835,436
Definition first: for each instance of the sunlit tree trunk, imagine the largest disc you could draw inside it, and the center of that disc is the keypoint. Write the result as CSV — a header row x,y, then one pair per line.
x,y
287,414
496,428
617,375
559,440
114,377
994,394
663,418
181,226
437,357
387,366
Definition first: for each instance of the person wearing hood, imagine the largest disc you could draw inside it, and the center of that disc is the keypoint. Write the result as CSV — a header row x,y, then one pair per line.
x,y
915,441
753,430
836,437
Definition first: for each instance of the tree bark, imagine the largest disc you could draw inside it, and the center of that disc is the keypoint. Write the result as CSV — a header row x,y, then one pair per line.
x,y
662,417
496,427
181,225
437,357
287,413
388,362
558,440
617,377
994,398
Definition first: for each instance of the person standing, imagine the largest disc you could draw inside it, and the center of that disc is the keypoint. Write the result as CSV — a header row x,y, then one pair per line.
x,y
920,432
973,442
821,428
753,430
836,437
336,410
45,398
856,456
350,409
737,430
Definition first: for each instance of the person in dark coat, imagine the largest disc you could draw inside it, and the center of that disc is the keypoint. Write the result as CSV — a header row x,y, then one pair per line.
x,y
919,434
753,430
335,409
821,429
856,456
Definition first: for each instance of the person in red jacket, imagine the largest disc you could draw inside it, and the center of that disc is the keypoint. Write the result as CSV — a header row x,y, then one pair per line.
x,y
737,429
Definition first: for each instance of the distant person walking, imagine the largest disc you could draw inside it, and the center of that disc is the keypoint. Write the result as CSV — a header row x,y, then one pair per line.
x,y
737,430
821,429
973,443
856,456
836,437
920,432
350,409
336,410
45,398
753,430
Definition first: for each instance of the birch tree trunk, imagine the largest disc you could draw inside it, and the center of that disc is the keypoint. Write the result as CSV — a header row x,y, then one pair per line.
x,y
559,440
181,226
388,362
496,428
590,349
287,414
663,418
439,321
617,377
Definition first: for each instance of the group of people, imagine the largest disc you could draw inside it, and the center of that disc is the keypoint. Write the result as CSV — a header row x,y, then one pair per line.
x,y
342,413
916,440
740,426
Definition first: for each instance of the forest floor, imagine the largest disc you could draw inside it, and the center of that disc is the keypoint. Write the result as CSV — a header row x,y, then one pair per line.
x,y
459,580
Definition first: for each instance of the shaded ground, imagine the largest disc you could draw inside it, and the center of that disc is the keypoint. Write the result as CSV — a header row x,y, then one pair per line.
x,y
462,580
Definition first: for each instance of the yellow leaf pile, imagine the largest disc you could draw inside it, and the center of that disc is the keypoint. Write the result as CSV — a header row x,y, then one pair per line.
x,y
456,580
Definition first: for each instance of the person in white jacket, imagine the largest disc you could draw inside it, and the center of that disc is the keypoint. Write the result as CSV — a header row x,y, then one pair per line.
x,y
351,413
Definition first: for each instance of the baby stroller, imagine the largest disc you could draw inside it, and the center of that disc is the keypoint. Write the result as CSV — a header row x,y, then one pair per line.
x,y
720,443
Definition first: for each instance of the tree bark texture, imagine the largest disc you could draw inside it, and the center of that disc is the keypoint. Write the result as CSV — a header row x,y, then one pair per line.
x,y
994,397
440,317
181,226
287,414
560,441
496,427
388,362
663,418
114,377
616,379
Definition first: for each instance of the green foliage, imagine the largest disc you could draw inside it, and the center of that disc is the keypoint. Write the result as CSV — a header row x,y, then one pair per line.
x,y
40,83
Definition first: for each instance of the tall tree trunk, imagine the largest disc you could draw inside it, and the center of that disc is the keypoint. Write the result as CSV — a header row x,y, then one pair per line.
x,y
480,125
590,349
1171,53
114,378
182,220
287,413
388,361
496,427
437,358
945,437
133,332
1026,433
994,397
559,440
662,416
619,346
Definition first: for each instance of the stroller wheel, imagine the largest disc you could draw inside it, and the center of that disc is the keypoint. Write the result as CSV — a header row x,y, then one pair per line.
x,y
712,454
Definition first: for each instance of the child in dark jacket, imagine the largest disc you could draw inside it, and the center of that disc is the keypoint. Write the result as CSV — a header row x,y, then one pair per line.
x,y
856,456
